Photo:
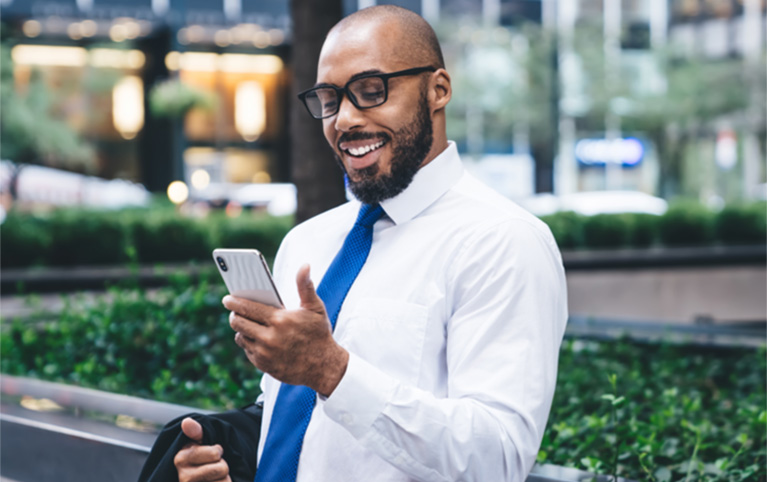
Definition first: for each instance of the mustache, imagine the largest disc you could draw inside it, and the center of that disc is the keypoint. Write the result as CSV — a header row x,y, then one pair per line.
x,y
362,136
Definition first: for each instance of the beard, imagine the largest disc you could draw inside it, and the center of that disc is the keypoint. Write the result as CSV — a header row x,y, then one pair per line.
x,y
410,145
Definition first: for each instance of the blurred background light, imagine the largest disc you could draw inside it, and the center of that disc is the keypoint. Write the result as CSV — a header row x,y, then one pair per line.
x,y
49,55
128,106
250,110
178,192
200,179
32,28
118,33
88,28
117,59
223,38
261,39
229,63
276,36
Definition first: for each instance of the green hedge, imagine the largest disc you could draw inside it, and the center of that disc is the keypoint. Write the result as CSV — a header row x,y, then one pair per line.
x,y
684,224
78,237
648,411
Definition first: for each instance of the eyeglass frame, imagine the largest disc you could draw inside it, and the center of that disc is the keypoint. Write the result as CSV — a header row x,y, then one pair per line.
x,y
340,91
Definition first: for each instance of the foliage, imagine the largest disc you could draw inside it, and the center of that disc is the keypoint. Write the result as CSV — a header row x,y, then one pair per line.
x,y
642,411
99,238
608,230
738,223
173,345
24,241
91,237
29,128
684,224
502,81
567,228
659,412
157,234
170,238
174,98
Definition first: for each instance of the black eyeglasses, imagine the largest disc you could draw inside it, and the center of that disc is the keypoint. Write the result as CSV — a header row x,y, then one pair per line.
x,y
365,91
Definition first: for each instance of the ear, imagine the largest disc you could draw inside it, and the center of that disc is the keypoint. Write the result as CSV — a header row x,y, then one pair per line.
x,y
440,90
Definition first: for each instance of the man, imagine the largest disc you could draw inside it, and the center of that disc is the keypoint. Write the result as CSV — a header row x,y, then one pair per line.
x,y
442,362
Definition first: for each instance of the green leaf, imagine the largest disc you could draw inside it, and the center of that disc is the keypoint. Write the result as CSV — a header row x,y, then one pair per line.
x,y
663,474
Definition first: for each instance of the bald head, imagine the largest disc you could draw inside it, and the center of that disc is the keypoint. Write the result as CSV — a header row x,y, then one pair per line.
x,y
416,40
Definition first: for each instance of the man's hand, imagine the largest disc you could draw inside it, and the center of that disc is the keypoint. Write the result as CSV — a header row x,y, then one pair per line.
x,y
293,346
200,463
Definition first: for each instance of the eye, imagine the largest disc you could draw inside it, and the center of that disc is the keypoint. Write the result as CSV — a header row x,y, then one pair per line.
x,y
369,91
329,105
372,95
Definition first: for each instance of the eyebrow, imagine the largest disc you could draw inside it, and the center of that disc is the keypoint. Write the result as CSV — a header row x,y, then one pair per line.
x,y
353,77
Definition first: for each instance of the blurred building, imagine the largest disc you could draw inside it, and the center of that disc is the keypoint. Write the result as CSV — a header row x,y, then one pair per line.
x,y
101,60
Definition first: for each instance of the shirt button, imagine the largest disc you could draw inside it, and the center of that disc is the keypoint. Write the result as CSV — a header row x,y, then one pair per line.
x,y
347,419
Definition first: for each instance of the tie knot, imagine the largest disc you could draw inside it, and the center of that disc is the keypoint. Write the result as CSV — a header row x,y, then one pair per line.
x,y
369,214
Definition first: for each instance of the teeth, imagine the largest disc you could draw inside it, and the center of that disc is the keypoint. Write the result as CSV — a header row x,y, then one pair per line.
x,y
361,151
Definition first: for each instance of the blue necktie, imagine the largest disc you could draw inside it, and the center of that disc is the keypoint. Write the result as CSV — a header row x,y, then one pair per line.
x,y
295,403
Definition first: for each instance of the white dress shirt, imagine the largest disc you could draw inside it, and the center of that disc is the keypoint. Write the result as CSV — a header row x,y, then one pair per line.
x,y
453,327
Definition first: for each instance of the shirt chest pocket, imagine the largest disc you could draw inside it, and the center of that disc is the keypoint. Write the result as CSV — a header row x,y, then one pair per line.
x,y
388,334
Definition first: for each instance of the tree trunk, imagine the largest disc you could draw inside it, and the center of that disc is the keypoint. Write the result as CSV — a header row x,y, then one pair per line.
x,y
318,179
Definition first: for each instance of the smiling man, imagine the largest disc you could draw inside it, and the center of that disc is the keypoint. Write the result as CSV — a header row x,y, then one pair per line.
x,y
429,349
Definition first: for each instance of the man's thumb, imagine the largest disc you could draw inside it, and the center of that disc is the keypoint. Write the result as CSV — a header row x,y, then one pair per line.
x,y
309,298
192,429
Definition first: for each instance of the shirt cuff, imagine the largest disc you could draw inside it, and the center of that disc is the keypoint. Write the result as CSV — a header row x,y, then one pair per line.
x,y
360,397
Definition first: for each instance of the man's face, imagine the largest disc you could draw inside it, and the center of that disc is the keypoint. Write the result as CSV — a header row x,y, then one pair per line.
x,y
380,148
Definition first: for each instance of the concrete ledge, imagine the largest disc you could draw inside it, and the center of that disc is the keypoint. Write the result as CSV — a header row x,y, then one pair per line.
x,y
96,400
665,257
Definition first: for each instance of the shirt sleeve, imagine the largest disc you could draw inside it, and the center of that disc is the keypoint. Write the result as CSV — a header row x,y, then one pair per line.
x,y
508,312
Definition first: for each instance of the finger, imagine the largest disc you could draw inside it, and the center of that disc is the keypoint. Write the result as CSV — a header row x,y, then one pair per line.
x,y
249,330
306,292
192,429
204,455
193,455
254,311
215,471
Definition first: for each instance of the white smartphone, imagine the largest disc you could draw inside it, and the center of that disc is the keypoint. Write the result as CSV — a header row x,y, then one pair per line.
x,y
246,275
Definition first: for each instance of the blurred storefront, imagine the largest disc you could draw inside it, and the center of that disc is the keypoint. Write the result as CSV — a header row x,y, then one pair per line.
x,y
118,71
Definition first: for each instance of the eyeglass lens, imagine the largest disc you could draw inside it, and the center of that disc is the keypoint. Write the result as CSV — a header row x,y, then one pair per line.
x,y
365,92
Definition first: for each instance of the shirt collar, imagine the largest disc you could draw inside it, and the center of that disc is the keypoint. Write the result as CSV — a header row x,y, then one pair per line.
x,y
429,184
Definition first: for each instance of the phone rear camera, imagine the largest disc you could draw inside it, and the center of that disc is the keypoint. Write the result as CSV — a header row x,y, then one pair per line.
x,y
221,263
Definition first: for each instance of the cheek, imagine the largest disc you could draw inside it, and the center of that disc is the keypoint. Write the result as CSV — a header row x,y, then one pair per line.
x,y
330,132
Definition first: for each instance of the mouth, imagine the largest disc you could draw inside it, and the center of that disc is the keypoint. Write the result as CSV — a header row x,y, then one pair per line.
x,y
358,149
362,153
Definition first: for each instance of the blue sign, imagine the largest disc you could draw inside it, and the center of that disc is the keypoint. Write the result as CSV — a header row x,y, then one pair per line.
x,y
627,151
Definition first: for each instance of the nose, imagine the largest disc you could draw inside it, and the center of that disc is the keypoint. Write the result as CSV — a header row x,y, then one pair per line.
x,y
348,116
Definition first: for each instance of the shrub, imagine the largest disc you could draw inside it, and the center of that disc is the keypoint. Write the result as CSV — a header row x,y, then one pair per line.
x,y
173,345
686,224
93,238
171,239
607,230
646,411
260,232
645,230
24,240
567,228
742,224
659,411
